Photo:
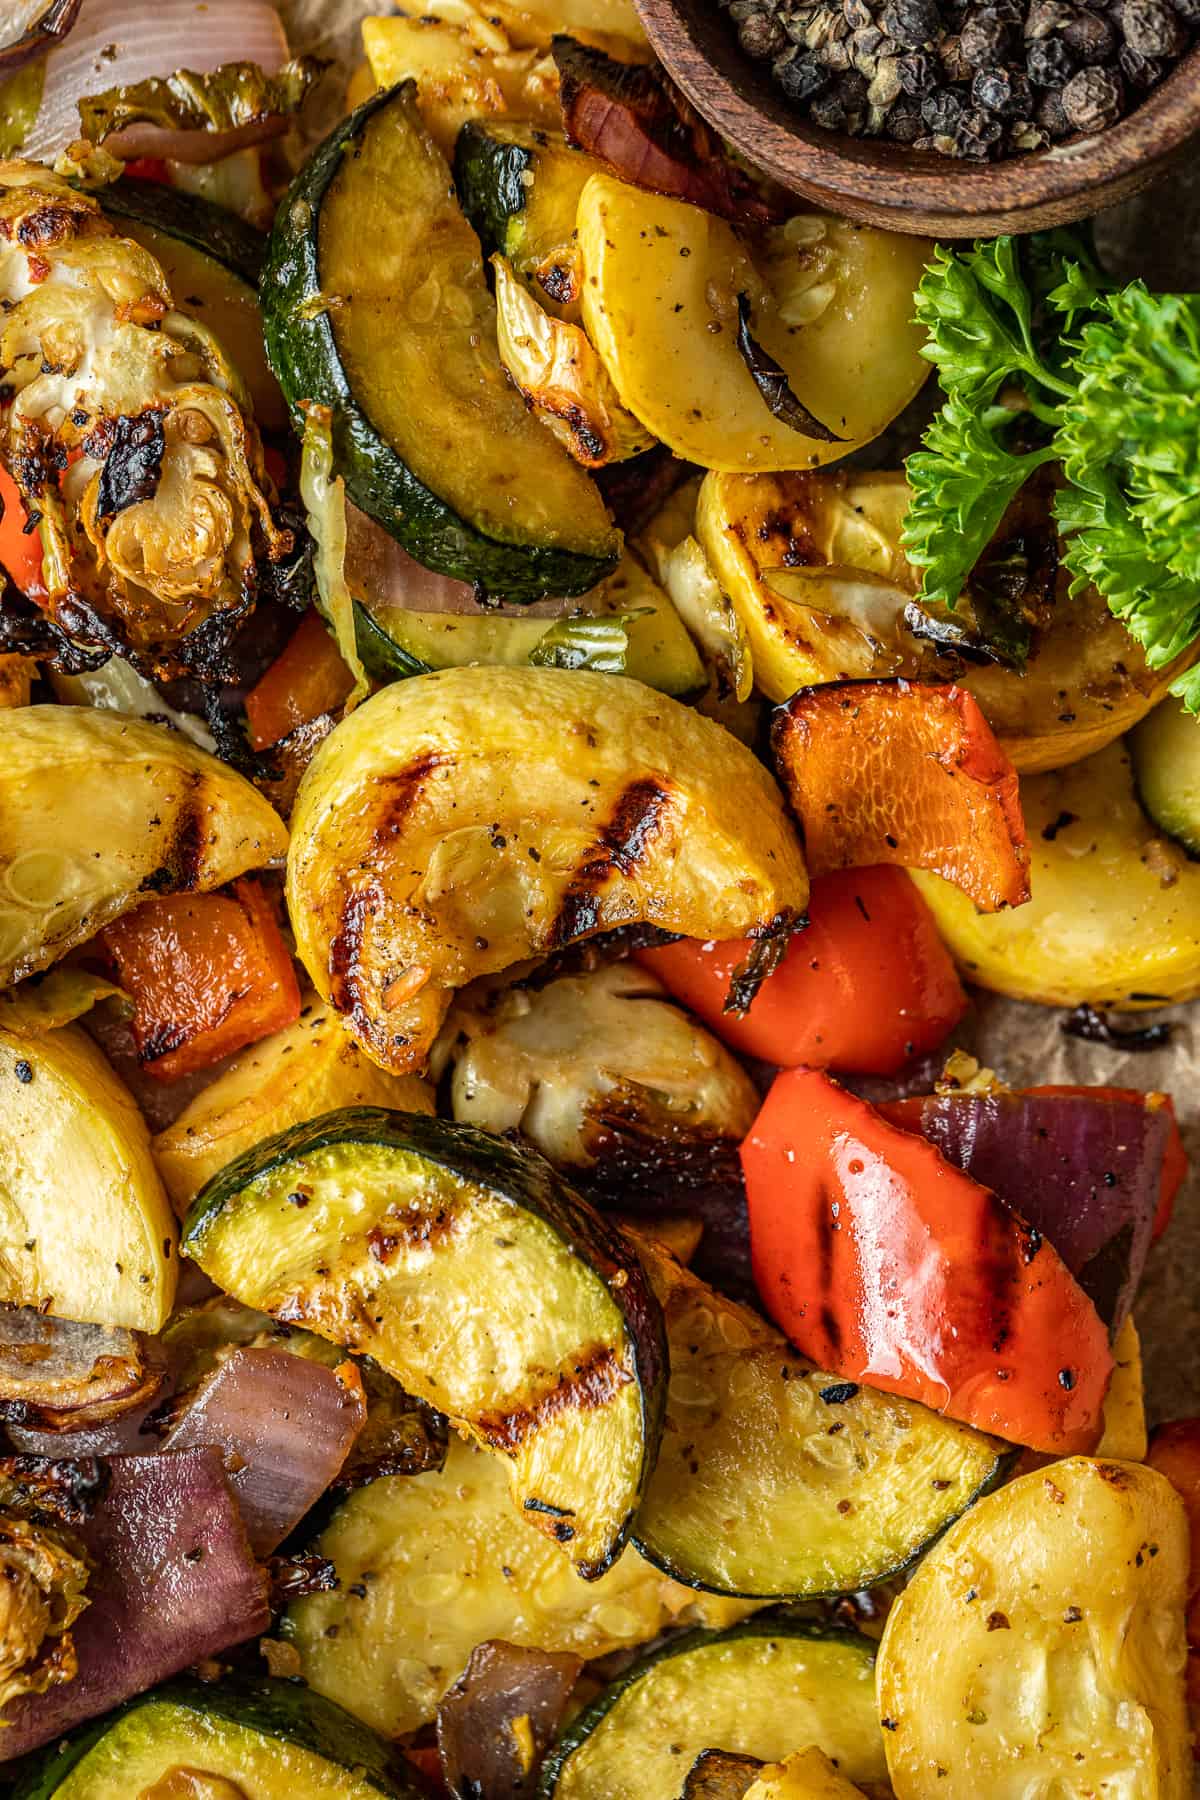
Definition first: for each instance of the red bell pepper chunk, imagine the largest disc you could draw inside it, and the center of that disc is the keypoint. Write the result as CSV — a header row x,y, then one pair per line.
x,y
149,168
885,1264
895,772
863,989
307,679
20,547
207,973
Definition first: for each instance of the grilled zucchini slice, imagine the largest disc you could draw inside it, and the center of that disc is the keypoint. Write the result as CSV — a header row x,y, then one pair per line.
x,y
212,261
311,1068
519,185
809,1775
96,812
474,1276
375,305
1040,1648
1166,766
758,1689
430,1565
87,1230
458,824
660,303
395,642
191,1739
855,1483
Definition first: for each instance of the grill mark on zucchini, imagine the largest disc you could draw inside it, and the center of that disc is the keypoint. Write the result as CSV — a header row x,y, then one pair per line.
x,y
428,1229
179,871
621,845
594,1380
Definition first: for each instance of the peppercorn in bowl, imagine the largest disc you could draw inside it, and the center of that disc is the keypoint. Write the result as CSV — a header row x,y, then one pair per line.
x,y
961,117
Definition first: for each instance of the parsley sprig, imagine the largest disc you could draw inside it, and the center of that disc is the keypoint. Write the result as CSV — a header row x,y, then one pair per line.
x,y
1042,360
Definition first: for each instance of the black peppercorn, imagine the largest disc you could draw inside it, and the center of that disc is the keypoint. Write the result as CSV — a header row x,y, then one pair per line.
x,y
978,133
865,50
1050,115
1187,10
1092,99
911,23
941,112
904,122
761,34
955,64
1151,28
1002,91
858,14
918,73
1090,37
1141,72
1048,62
985,37
828,112
1047,16
802,78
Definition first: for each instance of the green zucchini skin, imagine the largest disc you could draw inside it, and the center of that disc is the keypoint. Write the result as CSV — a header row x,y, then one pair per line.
x,y
771,1624
487,177
303,353
213,230
276,1709
523,1180
382,657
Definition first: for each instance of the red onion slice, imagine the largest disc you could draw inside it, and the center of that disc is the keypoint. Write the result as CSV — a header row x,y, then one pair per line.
x,y
285,1426
119,42
35,29
175,1582
380,570
482,1756
1085,1169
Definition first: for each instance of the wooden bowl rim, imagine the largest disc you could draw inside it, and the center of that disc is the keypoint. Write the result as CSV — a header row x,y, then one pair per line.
x,y
751,112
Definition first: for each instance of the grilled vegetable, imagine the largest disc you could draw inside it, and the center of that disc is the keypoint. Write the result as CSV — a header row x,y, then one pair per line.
x,y
1113,918
563,1062
431,1565
464,65
758,1689
59,1375
864,988
311,1068
431,438
212,261
1165,750
129,433
815,568
658,274
993,1329
564,383
519,185
208,974
809,1775
172,1582
1124,1435
42,1593
501,1715
1004,1670
96,811
853,1482
887,772
88,1231
190,1740
403,1218
637,625
456,825
307,681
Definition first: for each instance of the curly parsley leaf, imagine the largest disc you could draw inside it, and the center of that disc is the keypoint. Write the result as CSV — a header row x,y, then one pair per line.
x,y
962,482
978,312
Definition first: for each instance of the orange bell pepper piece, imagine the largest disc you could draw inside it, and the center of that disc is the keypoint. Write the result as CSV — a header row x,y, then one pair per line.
x,y
306,679
885,1264
864,988
20,547
207,973
896,772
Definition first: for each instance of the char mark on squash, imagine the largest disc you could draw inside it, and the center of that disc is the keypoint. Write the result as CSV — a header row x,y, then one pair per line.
x,y
399,793
591,1382
179,870
420,1230
621,845
346,956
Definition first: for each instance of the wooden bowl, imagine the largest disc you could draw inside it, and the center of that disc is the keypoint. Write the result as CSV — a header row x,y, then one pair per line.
x,y
913,190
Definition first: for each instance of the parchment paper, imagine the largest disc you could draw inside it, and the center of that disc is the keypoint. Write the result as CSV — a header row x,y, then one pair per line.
x,y
1157,236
